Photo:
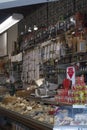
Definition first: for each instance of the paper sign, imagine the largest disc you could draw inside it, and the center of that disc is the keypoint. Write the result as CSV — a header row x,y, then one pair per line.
x,y
71,74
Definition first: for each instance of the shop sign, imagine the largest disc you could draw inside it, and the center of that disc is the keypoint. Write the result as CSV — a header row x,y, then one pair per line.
x,y
71,74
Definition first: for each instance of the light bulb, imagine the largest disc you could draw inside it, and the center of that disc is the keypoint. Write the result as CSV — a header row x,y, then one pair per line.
x,y
35,28
29,29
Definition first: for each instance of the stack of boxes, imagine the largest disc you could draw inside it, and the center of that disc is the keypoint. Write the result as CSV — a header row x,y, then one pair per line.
x,y
75,95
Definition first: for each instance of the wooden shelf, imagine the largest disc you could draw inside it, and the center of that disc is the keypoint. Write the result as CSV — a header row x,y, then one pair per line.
x,y
81,72
70,58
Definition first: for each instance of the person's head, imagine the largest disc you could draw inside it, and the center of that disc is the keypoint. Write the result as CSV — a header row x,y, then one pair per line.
x,y
7,74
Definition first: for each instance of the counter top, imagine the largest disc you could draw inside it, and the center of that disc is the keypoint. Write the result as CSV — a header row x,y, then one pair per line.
x,y
26,121
33,124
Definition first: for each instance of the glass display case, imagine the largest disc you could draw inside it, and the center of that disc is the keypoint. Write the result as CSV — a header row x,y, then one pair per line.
x,y
43,114
71,118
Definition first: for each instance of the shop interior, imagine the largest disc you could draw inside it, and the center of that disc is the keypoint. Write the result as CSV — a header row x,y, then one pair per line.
x,y
43,65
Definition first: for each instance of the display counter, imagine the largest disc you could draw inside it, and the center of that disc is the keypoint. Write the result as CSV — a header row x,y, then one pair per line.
x,y
42,115
27,122
33,124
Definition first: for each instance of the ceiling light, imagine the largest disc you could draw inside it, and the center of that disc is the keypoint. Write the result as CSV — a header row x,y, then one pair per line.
x,y
2,1
72,20
29,29
15,18
22,33
73,32
35,28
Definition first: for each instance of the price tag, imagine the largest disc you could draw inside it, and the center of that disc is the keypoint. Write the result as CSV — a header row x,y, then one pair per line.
x,y
67,128
70,128
84,128
80,106
56,128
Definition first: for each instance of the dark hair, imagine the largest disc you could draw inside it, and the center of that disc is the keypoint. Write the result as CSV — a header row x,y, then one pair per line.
x,y
6,73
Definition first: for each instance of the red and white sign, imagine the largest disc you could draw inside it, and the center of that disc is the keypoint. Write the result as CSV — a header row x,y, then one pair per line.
x,y
71,74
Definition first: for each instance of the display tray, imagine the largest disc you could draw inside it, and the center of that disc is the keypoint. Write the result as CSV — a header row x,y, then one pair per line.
x,y
28,122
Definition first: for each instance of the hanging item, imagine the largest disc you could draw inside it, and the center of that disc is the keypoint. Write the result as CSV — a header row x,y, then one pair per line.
x,y
69,41
74,43
81,44
62,50
58,48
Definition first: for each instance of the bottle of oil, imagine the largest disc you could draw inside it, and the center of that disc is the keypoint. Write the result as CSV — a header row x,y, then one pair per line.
x,y
12,89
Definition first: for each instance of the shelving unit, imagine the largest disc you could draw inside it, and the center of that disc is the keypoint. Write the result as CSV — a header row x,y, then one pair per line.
x,y
51,71
78,60
16,69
